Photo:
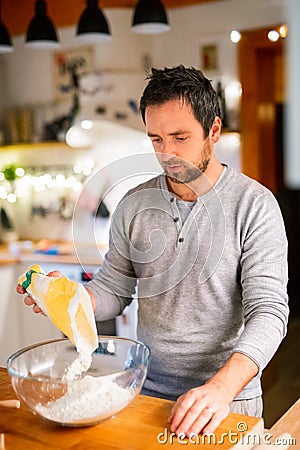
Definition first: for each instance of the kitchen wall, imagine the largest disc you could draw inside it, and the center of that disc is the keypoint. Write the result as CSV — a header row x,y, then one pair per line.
x,y
191,28
26,75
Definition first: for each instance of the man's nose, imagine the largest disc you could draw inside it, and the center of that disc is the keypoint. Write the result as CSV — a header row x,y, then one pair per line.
x,y
168,151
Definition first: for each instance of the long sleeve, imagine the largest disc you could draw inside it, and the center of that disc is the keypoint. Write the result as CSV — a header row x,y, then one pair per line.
x,y
264,279
114,284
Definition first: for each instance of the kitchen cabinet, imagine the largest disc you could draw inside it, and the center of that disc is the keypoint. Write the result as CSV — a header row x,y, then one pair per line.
x,y
10,333
19,326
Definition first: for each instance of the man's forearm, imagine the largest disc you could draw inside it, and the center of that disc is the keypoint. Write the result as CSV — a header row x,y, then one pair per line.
x,y
203,408
236,373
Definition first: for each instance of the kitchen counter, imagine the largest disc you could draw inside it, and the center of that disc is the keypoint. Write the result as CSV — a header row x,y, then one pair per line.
x,y
86,254
6,260
141,426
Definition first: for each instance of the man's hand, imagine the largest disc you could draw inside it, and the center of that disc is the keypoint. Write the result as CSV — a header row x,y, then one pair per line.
x,y
202,409
199,410
29,301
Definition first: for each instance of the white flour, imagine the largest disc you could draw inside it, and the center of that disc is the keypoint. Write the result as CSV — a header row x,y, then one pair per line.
x,y
87,398
81,364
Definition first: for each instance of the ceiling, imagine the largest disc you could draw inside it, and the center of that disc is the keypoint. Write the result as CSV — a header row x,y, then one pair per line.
x,y
16,14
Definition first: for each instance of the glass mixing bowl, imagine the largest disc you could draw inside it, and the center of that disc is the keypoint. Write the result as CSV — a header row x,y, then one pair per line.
x,y
116,376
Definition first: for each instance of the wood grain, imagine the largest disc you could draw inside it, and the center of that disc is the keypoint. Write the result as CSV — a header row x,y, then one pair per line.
x,y
289,422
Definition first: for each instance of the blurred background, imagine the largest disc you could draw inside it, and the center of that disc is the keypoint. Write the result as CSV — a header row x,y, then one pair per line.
x,y
69,110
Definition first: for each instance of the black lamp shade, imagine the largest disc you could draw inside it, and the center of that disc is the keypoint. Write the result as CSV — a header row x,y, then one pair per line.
x,y
150,17
41,32
93,25
5,41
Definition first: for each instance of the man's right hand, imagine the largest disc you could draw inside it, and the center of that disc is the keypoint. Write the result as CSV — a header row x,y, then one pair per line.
x,y
29,301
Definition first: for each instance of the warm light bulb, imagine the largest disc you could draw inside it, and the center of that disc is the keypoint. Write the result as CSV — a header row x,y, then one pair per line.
x,y
283,31
273,35
235,36
86,124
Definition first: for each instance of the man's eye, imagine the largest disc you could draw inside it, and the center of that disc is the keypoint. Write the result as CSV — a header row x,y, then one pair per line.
x,y
180,139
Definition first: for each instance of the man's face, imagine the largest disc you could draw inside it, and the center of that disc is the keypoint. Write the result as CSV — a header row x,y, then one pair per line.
x,y
178,140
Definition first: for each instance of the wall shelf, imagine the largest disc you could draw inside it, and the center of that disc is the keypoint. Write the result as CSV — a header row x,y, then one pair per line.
x,y
49,145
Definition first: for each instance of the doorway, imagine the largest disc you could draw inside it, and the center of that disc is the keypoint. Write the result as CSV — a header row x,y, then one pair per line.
x,y
263,80
262,76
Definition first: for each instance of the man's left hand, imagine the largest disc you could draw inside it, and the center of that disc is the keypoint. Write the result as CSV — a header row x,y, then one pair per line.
x,y
200,410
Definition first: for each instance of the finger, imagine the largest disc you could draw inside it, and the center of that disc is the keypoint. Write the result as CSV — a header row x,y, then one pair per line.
x,y
177,411
195,420
20,289
176,406
215,421
55,273
29,300
180,410
36,309
173,410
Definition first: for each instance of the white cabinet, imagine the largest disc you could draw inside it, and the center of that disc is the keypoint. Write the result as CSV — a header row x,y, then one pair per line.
x,y
19,326
9,324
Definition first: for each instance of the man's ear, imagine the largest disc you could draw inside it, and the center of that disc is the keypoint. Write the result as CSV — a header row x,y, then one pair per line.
x,y
215,131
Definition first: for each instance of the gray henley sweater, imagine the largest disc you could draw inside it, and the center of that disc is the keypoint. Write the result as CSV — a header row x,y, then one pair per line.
x,y
210,287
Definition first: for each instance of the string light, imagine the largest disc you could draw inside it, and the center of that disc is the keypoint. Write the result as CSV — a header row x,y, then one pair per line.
x,y
18,182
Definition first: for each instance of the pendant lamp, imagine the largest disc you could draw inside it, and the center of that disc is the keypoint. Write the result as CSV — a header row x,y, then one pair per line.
x,y
5,40
41,33
93,26
150,17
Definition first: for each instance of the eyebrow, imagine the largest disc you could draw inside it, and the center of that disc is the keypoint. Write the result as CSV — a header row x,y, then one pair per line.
x,y
176,133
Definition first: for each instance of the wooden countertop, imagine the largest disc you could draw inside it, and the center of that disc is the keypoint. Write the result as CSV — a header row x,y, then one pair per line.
x,y
137,427
289,423
6,261
86,254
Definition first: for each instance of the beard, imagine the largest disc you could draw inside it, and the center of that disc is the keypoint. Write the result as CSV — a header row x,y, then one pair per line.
x,y
189,171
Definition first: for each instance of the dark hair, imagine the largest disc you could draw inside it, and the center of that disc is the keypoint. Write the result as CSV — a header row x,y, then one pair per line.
x,y
186,84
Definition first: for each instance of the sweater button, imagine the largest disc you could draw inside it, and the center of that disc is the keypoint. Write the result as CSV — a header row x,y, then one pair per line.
x,y
176,219
172,199
180,239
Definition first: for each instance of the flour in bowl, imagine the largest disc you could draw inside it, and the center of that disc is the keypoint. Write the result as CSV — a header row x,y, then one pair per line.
x,y
87,398
81,364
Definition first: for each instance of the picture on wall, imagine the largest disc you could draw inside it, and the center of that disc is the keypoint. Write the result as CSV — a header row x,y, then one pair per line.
x,y
209,57
68,67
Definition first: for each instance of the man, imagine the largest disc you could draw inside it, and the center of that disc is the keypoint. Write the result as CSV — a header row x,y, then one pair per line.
x,y
207,248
